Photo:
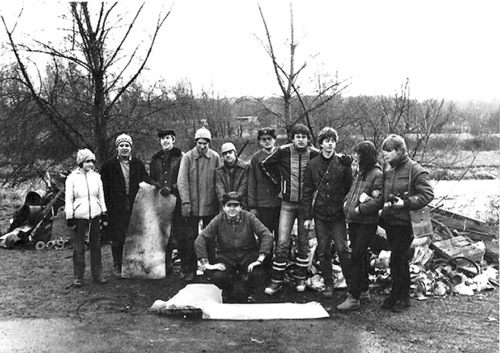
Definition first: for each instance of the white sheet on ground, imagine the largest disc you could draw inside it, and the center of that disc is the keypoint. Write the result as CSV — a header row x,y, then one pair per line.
x,y
267,311
208,298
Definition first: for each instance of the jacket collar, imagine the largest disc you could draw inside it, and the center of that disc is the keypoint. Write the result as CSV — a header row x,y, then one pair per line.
x,y
234,220
198,154
175,151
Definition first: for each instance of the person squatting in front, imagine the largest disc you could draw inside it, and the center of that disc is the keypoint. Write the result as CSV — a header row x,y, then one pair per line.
x,y
361,207
84,207
329,175
407,187
291,159
241,242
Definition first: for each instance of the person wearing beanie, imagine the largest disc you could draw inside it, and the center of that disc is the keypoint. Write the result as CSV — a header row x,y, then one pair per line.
x,y
291,161
84,208
164,169
242,244
121,176
263,200
196,183
232,175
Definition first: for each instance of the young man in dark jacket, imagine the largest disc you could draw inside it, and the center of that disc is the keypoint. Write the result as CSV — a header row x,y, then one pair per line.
x,y
232,175
263,200
329,176
121,176
164,168
291,159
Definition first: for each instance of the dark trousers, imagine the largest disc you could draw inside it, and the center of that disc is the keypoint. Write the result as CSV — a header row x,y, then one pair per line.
x,y
400,238
192,225
118,229
360,236
326,231
185,243
82,227
270,217
233,275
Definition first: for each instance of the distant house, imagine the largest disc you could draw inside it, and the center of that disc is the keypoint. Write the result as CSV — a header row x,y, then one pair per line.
x,y
247,125
456,128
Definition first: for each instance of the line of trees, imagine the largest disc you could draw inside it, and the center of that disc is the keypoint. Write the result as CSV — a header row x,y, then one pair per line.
x,y
90,91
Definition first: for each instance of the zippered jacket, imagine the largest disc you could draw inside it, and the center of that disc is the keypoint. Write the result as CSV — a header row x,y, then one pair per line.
x,y
371,183
292,164
330,193
415,196
84,195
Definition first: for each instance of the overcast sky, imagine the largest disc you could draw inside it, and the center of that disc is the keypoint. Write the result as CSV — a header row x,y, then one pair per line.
x,y
447,48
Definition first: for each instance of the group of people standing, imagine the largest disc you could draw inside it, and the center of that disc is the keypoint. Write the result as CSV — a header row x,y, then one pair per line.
x,y
235,218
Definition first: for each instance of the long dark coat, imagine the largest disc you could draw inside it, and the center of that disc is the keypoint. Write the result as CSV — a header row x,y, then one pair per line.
x,y
118,202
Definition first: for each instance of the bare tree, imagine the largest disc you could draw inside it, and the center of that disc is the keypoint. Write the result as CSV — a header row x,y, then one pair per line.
x,y
288,82
108,71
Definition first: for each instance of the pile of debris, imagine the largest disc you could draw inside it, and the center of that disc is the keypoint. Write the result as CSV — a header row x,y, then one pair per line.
x,y
459,257
40,222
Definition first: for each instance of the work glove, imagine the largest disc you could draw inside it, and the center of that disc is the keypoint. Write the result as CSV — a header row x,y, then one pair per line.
x,y
186,210
165,191
345,159
71,223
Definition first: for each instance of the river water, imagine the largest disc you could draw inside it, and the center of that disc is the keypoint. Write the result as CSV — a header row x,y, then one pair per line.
x,y
474,198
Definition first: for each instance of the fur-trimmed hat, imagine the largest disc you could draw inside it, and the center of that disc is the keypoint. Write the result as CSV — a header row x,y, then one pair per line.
x,y
123,138
266,131
84,155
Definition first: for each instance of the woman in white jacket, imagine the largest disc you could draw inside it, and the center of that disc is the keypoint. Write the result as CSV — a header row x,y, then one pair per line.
x,y
84,208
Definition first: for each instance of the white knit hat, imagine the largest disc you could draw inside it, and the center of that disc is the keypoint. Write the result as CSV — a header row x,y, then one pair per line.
x,y
227,146
123,138
203,133
84,155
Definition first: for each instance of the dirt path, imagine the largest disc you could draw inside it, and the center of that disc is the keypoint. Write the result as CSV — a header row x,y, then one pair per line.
x,y
41,312
150,333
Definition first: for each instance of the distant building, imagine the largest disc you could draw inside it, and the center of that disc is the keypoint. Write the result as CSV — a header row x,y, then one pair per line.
x,y
247,125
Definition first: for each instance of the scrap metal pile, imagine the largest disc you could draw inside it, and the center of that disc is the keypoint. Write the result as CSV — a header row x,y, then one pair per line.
x,y
39,223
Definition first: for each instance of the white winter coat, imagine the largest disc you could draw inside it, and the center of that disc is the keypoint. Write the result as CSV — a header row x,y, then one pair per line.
x,y
84,195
